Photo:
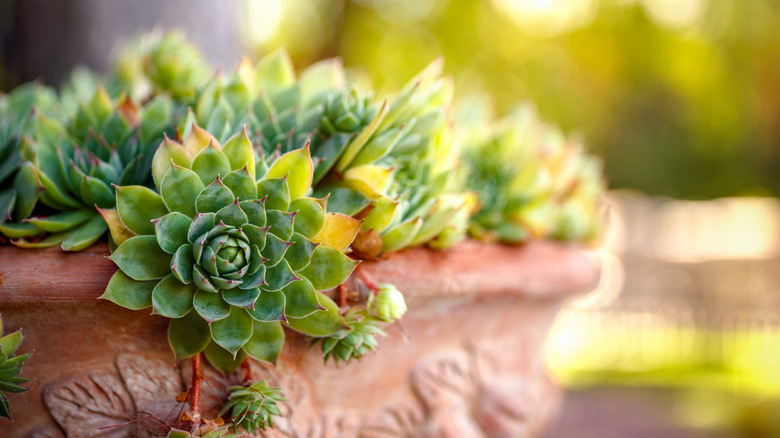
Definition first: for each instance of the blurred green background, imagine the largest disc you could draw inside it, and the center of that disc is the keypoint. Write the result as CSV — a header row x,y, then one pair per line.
x,y
681,97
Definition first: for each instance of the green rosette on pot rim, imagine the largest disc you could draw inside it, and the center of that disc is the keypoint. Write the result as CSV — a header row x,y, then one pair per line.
x,y
74,165
229,255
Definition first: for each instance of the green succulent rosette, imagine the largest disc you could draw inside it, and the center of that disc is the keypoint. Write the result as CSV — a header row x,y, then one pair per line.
x,y
74,165
10,368
227,253
356,340
533,182
19,188
253,407
161,63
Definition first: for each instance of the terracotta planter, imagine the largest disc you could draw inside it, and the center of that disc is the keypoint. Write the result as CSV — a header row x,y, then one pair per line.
x,y
466,361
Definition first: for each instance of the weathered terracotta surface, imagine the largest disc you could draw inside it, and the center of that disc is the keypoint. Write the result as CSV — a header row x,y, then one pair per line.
x,y
466,361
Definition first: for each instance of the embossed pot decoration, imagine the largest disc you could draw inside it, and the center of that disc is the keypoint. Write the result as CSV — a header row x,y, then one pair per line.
x,y
467,361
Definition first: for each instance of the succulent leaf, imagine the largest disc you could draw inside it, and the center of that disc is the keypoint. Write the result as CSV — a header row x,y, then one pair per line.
x,y
141,258
269,307
266,342
129,293
180,188
222,359
233,331
211,163
276,193
138,206
85,234
337,232
238,149
328,268
214,197
172,298
320,323
10,368
171,231
297,168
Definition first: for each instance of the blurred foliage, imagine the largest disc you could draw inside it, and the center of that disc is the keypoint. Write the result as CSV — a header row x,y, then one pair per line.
x,y
681,97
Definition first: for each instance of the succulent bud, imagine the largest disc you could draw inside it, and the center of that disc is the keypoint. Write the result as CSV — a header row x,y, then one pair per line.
x,y
388,304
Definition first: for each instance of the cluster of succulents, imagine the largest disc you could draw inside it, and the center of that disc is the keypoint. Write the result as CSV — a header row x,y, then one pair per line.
x,y
533,183
76,163
233,201
371,157
10,368
18,185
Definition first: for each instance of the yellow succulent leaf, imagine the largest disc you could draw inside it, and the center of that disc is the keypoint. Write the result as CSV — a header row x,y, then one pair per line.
x,y
298,168
369,179
338,232
357,142
198,139
119,232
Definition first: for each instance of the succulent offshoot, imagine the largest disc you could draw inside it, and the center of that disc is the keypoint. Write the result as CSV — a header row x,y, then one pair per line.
x,y
252,407
10,368
356,340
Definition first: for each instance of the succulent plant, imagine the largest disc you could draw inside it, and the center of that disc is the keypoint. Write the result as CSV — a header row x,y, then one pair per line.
x,y
253,407
370,156
10,367
228,253
533,183
354,341
161,63
387,304
74,165
18,185
413,190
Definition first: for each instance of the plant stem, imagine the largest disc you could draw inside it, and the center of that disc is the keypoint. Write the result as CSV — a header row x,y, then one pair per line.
x,y
195,399
366,279
342,295
247,369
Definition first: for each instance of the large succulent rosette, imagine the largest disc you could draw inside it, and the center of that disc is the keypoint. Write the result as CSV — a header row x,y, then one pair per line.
x,y
229,255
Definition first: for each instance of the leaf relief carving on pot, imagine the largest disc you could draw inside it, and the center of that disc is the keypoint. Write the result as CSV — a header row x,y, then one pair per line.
x,y
94,404
499,391
153,384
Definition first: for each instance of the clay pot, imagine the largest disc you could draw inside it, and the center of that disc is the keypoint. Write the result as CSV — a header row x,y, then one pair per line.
x,y
466,361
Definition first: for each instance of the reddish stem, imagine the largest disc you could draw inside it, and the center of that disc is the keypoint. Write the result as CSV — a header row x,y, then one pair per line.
x,y
366,279
247,369
342,297
195,390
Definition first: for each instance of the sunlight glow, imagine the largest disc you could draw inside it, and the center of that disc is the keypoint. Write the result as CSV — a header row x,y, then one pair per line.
x,y
547,18
680,14
260,20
